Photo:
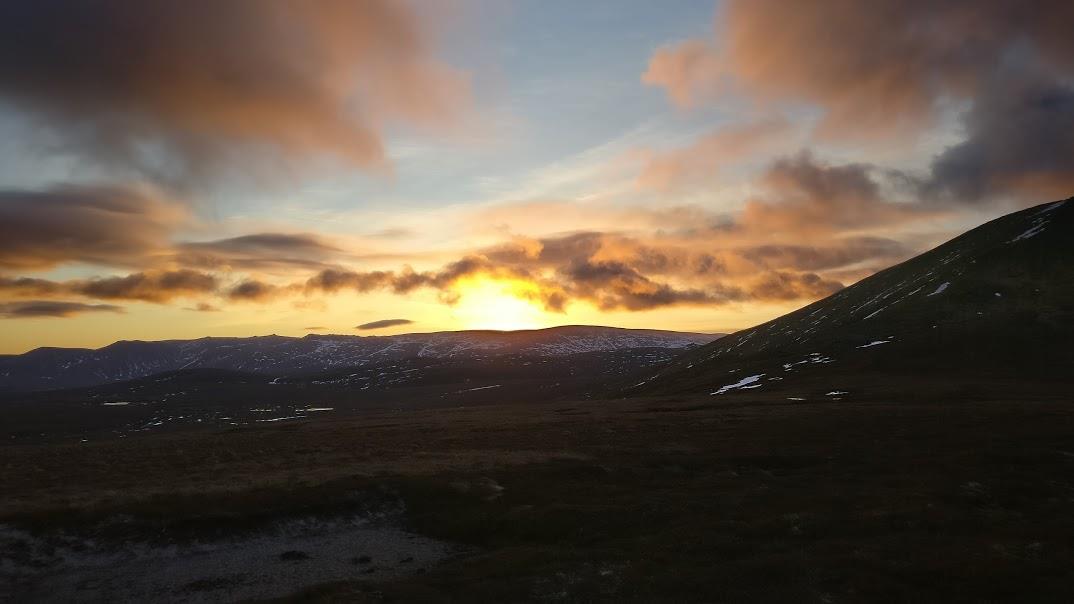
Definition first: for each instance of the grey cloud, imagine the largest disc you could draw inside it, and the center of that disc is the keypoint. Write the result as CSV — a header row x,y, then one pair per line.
x,y
51,308
99,225
383,323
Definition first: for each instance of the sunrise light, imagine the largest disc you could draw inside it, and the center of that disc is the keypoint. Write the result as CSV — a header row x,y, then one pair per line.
x,y
486,303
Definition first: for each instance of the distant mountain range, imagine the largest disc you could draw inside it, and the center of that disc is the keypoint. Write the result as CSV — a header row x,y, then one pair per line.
x,y
995,302
280,356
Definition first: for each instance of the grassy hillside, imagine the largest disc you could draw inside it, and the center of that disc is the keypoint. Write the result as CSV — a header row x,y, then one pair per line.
x,y
997,300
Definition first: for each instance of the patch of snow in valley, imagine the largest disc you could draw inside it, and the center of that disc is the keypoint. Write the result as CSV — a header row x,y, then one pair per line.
x,y
836,393
875,343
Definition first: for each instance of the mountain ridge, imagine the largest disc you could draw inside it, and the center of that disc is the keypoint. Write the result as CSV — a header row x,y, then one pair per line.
x,y
59,368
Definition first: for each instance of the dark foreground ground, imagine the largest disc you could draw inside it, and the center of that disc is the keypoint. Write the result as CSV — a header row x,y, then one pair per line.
x,y
894,495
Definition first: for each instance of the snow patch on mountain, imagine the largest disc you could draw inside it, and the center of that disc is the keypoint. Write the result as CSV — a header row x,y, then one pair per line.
x,y
743,383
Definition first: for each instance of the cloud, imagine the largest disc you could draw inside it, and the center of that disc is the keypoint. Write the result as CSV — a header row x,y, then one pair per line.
x,y
252,290
1019,142
51,308
842,253
805,195
182,89
689,71
777,285
383,323
875,68
152,286
134,227
203,307
259,251
392,233
613,285
811,225
707,156
97,225
334,279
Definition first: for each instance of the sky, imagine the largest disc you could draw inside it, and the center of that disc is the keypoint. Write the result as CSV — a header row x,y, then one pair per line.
x,y
176,170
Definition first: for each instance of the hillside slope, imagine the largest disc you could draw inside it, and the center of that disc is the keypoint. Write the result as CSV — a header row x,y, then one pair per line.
x,y
997,300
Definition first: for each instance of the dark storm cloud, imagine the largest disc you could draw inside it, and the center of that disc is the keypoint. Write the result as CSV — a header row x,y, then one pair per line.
x,y
190,87
804,195
51,308
383,323
1020,140
100,225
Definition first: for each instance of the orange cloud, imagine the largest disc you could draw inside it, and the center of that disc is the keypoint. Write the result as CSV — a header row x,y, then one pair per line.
x,y
689,71
811,225
708,155
208,84
876,68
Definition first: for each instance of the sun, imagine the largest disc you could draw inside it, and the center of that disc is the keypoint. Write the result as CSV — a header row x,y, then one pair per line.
x,y
495,304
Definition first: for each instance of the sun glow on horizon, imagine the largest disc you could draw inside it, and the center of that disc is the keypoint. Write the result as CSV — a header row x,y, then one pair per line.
x,y
501,305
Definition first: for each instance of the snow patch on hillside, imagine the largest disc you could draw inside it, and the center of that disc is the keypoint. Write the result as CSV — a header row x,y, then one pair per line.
x,y
743,383
941,288
1040,220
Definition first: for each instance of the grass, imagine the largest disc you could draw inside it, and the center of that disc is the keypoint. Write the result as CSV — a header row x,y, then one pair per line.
x,y
659,500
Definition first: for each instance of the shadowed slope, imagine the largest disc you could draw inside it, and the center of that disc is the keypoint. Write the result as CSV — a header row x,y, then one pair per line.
x,y
997,300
